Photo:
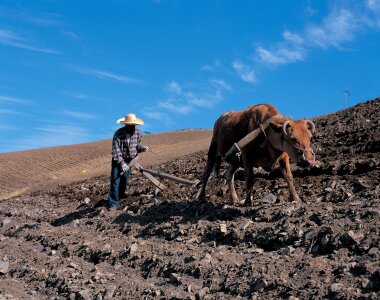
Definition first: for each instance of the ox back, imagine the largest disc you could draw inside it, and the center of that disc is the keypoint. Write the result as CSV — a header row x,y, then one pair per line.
x,y
233,126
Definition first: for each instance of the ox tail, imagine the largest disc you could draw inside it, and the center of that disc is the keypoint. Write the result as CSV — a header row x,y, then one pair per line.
x,y
212,150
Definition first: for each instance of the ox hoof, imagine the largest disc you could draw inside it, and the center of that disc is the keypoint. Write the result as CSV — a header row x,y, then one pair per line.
x,y
200,196
295,199
233,201
201,200
248,203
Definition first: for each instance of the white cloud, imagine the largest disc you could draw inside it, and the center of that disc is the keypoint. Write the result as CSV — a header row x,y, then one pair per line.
x,y
310,10
279,56
55,135
78,115
373,19
204,99
174,87
9,99
157,116
245,72
212,68
183,99
345,21
71,35
176,107
197,100
373,5
339,27
23,15
9,38
81,96
107,75
6,127
187,100
9,112
292,37
221,83
207,68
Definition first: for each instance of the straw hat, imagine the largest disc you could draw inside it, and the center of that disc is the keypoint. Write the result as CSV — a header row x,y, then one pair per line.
x,y
130,119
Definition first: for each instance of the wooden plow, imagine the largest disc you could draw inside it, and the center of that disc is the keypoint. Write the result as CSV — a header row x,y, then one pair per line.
x,y
236,148
149,174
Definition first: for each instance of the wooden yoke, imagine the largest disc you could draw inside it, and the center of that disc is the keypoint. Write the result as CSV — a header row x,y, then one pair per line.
x,y
236,147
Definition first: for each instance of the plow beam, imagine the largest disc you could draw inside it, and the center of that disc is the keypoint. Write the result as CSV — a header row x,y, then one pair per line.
x,y
169,176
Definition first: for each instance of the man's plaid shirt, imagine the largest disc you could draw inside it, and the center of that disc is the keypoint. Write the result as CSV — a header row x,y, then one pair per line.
x,y
124,146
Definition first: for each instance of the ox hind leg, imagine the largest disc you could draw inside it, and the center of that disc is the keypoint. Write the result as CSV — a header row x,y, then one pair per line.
x,y
212,159
288,176
215,173
230,178
201,195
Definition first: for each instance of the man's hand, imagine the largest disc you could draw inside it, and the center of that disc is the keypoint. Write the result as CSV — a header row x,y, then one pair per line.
x,y
124,167
144,148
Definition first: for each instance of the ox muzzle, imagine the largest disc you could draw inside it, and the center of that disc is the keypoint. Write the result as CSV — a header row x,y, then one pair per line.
x,y
307,162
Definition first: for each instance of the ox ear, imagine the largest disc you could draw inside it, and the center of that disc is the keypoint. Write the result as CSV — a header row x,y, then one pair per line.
x,y
275,126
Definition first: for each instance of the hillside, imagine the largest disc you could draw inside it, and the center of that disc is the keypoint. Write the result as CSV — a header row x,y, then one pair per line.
x,y
25,171
62,244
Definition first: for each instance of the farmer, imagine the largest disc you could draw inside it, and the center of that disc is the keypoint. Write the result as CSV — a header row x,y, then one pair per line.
x,y
126,144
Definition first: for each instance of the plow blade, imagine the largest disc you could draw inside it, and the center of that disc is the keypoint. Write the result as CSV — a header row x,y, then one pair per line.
x,y
149,176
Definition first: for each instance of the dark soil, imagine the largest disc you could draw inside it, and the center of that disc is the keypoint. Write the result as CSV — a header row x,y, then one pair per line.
x,y
64,244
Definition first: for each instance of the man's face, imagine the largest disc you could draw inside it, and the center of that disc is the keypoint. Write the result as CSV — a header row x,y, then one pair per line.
x,y
130,128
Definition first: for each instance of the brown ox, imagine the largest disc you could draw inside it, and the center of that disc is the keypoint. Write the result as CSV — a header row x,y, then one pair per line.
x,y
283,139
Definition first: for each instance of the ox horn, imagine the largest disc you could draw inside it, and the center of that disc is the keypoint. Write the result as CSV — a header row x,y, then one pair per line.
x,y
284,126
312,125
286,123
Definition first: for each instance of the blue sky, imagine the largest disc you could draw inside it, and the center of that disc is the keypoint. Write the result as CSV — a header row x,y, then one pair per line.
x,y
70,69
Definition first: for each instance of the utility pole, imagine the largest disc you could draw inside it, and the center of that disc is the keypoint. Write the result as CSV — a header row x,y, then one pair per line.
x,y
346,93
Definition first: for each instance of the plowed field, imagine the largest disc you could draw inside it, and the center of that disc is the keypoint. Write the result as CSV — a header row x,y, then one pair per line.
x,y
62,243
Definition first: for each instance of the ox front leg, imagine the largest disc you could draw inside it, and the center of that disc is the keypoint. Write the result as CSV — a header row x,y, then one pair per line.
x,y
288,176
249,185
248,169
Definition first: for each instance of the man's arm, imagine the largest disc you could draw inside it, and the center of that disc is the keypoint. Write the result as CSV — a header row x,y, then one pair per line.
x,y
117,155
116,151
140,147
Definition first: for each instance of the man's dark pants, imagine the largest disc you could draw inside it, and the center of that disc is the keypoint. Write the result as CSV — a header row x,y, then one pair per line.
x,y
118,184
